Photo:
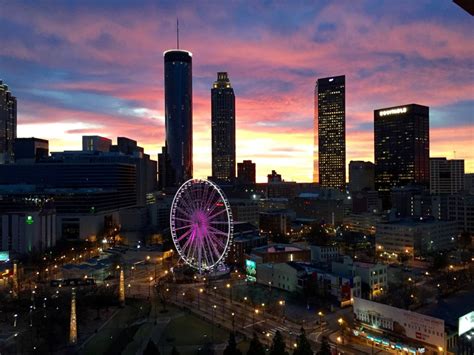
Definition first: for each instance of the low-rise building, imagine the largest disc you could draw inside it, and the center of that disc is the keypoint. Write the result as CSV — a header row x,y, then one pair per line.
x,y
373,276
324,253
414,237
295,276
280,253
27,226
362,222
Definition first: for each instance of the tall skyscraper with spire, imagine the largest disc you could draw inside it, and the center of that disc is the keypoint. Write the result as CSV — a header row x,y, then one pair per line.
x,y
330,129
223,129
178,116
8,123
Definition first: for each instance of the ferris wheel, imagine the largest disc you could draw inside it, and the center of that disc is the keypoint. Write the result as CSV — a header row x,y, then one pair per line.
x,y
201,224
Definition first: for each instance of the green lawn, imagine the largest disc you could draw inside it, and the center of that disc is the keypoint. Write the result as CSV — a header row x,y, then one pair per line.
x,y
113,331
188,330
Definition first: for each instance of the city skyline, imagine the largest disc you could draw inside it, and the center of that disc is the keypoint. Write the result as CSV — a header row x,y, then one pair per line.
x,y
104,74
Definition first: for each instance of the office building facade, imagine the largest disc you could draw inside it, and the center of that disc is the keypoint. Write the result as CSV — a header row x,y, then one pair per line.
x,y
402,146
179,114
446,176
330,128
361,176
8,123
223,129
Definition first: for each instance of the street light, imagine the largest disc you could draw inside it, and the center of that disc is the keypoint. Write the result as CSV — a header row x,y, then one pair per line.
x,y
229,286
200,291
253,317
321,315
282,304
341,324
149,286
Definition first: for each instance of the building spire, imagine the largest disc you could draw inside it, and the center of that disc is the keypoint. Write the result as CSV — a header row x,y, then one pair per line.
x,y
177,33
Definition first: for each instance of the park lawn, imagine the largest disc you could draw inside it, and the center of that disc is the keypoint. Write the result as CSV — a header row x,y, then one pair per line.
x,y
107,336
189,330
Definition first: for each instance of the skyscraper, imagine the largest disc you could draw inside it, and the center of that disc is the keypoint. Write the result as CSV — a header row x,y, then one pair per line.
x,y
330,129
179,114
7,124
223,129
402,146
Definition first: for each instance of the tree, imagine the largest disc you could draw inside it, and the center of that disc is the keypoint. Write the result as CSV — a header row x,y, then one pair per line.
x,y
256,347
325,348
151,349
440,261
317,235
303,346
174,351
278,345
465,240
231,348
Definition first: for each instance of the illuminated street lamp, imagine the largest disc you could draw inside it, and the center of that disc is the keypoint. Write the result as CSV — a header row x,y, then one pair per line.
x,y
200,291
229,286
321,315
253,317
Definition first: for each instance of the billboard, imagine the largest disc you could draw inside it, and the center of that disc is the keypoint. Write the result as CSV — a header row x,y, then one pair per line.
x,y
4,255
466,323
408,324
251,270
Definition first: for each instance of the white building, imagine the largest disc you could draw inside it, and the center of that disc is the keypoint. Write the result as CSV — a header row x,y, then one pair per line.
x,y
324,254
374,276
292,277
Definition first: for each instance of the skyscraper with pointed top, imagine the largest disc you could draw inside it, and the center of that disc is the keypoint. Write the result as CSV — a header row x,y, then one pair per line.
x,y
223,129
178,116
7,124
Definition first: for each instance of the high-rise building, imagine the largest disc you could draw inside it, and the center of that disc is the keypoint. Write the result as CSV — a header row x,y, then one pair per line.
x,y
179,114
402,146
246,172
361,175
446,176
7,124
96,144
30,149
223,129
330,128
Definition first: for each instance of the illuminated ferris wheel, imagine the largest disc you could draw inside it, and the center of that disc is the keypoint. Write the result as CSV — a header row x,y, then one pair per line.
x,y
201,224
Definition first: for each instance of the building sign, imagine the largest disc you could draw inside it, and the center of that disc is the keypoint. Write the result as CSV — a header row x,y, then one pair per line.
x,y
466,323
4,255
251,270
407,324
393,111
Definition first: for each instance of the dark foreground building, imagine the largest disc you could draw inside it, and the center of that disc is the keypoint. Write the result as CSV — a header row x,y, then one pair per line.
x,y
178,115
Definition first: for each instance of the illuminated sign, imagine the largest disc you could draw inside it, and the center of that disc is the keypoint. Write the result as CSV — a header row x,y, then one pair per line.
x,y
466,323
412,325
4,256
393,111
29,220
251,270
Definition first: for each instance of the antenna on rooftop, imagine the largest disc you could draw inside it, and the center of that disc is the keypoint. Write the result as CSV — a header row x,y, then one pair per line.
x,y
177,33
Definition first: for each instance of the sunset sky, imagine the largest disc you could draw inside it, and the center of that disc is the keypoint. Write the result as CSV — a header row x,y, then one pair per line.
x,y
96,67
